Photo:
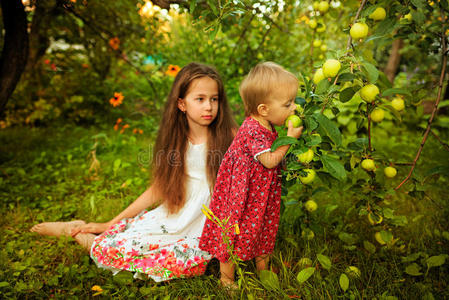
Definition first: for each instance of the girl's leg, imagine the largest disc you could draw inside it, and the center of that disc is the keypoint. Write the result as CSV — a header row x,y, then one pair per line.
x,y
56,228
227,273
63,229
85,240
262,262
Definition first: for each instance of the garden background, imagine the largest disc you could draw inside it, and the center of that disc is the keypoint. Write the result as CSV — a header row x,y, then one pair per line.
x,y
82,87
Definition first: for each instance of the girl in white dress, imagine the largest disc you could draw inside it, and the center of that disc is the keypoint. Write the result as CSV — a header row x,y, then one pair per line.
x,y
195,132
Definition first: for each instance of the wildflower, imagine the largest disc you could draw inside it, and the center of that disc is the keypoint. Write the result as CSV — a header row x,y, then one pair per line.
x,y
85,66
140,131
117,99
97,289
119,120
124,127
47,61
53,67
114,43
237,229
116,127
172,70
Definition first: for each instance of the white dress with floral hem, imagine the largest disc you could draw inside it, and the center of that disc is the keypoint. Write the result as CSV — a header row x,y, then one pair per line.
x,y
156,244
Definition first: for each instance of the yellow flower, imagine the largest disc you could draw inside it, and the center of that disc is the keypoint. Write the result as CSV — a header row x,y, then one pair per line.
x,y
97,289
237,229
117,99
172,70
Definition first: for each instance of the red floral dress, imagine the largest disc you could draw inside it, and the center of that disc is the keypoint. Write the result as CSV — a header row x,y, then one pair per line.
x,y
248,193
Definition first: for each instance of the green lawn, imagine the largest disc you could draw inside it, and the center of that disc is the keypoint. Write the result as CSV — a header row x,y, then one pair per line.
x,y
45,177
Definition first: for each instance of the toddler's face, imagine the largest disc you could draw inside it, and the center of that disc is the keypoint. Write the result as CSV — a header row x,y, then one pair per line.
x,y
281,105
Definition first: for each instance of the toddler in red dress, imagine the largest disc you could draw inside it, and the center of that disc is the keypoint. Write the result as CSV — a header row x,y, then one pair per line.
x,y
248,186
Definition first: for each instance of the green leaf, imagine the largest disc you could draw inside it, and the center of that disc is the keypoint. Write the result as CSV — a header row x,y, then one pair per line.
x,y
117,164
327,127
413,270
411,257
283,140
436,261
4,284
369,247
324,261
322,86
419,3
345,77
386,26
347,94
311,124
344,282
305,274
269,279
393,91
347,238
371,72
334,167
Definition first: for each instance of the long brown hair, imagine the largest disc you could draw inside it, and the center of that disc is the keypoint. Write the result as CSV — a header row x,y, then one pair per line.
x,y
168,166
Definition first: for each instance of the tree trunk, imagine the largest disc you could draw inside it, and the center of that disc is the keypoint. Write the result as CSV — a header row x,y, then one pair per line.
x,y
15,48
394,59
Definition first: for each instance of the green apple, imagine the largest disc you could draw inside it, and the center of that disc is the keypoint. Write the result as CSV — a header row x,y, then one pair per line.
x,y
390,172
377,115
374,219
299,108
306,157
313,24
379,239
296,121
316,43
378,14
316,5
331,67
321,27
369,92
318,76
310,205
309,177
407,18
398,104
368,164
323,7
323,47
359,31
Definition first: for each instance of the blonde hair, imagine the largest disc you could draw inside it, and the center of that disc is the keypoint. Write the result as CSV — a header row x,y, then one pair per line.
x,y
262,82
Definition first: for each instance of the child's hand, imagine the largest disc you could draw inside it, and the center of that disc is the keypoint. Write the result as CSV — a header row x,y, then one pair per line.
x,y
294,132
90,228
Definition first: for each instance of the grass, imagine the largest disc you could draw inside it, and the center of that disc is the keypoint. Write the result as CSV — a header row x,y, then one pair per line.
x,y
45,177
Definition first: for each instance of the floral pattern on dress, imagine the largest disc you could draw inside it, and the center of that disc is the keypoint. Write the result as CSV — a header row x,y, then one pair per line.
x,y
178,260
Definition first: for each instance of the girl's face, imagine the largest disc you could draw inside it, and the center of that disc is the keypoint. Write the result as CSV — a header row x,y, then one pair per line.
x,y
200,104
280,106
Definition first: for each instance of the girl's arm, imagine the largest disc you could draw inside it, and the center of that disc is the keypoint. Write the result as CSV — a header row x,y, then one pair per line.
x,y
271,159
144,201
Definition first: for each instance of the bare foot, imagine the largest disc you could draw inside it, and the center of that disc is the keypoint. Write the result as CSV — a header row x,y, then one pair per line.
x,y
56,228
229,285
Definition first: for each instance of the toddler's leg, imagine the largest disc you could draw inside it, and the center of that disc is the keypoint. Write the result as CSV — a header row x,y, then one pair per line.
x,y
56,228
227,273
262,262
